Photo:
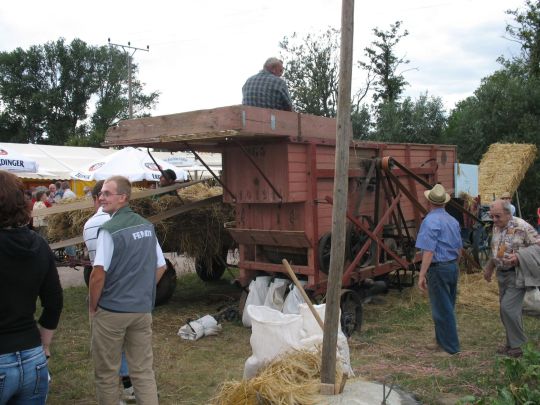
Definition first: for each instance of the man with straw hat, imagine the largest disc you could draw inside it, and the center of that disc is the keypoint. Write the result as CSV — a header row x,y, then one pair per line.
x,y
440,240
515,246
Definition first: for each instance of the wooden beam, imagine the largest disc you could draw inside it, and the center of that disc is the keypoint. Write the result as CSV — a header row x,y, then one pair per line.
x,y
82,205
337,252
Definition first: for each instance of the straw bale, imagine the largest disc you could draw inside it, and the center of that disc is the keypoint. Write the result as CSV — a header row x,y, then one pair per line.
x,y
292,379
503,167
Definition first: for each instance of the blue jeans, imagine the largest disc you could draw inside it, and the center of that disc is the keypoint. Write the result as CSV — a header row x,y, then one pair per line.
x,y
24,377
123,366
442,281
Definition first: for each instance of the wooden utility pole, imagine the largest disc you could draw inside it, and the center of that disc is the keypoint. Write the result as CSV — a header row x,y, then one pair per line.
x,y
341,189
126,49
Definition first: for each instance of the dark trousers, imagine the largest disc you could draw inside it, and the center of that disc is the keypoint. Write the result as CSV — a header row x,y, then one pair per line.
x,y
442,281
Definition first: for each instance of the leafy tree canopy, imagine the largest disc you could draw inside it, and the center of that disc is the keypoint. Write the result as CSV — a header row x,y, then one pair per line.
x,y
62,93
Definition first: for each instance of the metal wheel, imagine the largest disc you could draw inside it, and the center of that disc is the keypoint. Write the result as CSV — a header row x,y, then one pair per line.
x,y
86,274
355,241
481,245
210,270
167,284
323,252
351,312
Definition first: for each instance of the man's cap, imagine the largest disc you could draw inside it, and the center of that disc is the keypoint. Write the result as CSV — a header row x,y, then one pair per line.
x,y
437,195
506,195
170,174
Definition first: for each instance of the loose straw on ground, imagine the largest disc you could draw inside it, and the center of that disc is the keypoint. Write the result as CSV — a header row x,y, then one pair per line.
x,y
292,379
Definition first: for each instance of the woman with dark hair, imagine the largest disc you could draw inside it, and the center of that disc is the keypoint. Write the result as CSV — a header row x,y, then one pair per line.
x,y
27,271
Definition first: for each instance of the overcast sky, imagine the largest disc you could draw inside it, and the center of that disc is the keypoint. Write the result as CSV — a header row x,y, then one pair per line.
x,y
201,51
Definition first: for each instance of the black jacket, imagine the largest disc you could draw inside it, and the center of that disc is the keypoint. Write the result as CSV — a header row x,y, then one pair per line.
x,y
27,271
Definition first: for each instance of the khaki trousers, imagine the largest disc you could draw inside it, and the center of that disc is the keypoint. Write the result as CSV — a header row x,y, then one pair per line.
x,y
112,331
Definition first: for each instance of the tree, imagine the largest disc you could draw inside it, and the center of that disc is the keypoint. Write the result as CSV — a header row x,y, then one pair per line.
x,y
384,63
506,109
415,121
312,71
506,106
47,91
527,33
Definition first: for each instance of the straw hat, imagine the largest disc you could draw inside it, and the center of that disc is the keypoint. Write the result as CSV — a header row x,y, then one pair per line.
x,y
437,195
506,195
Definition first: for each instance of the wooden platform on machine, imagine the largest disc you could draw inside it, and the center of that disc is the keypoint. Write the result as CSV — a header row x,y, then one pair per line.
x,y
212,127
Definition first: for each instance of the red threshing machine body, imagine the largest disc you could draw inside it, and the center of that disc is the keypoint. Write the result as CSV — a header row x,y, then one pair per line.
x,y
278,172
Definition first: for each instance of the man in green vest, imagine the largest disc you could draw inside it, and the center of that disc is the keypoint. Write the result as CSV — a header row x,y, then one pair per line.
x,y
127,266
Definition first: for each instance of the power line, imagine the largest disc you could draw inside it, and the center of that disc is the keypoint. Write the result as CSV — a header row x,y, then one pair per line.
x,y
126,49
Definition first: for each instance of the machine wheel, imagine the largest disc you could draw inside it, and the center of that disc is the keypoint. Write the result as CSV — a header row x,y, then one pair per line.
x,y
166,286
351,312
210,271
481,245
323,252
355,241
86,273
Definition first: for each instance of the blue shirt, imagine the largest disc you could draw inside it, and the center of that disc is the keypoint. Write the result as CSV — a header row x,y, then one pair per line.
x,y
439,233
267,91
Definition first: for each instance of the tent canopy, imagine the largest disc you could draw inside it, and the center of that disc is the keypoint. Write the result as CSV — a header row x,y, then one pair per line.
x,y
130,162
58,162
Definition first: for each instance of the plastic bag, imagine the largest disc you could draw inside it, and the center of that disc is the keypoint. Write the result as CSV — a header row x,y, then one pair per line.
x,y
531,301
272,333
275,297
293,300
194,330
258,289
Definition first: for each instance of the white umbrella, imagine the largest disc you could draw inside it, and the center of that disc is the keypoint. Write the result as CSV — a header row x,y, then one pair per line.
x,y
16,162
129,162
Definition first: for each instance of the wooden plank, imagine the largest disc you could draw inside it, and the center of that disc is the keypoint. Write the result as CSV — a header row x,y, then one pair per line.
x,y
216,124
82,205
270,237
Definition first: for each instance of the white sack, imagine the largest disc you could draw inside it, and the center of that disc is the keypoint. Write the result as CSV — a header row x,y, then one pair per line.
x,y
293,299
313,335
275,297
272,333
258,289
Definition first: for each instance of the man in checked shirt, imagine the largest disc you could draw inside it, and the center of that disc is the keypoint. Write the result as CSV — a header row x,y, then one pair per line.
x,y
266,89
510,235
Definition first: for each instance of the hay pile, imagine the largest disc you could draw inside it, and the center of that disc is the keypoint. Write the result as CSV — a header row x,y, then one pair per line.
x,y
198,233
475,292
293,379
503,167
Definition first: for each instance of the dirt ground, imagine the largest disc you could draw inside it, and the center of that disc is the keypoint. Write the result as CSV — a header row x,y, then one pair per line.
x,y
73,277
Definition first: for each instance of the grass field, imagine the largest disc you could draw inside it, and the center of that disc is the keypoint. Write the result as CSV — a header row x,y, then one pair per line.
x,y
390,347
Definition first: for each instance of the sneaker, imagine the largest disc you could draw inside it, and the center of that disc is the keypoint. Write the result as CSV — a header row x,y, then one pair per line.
x,y
129,394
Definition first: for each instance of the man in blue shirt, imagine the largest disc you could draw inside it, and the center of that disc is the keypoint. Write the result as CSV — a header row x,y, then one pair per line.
x,y
266,89
440,240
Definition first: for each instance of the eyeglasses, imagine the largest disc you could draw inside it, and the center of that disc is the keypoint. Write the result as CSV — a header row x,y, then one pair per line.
x,y
107,194
496,216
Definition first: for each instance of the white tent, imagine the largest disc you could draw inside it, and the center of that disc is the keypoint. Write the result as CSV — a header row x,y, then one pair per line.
x,y
132,163
16,162
56,162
